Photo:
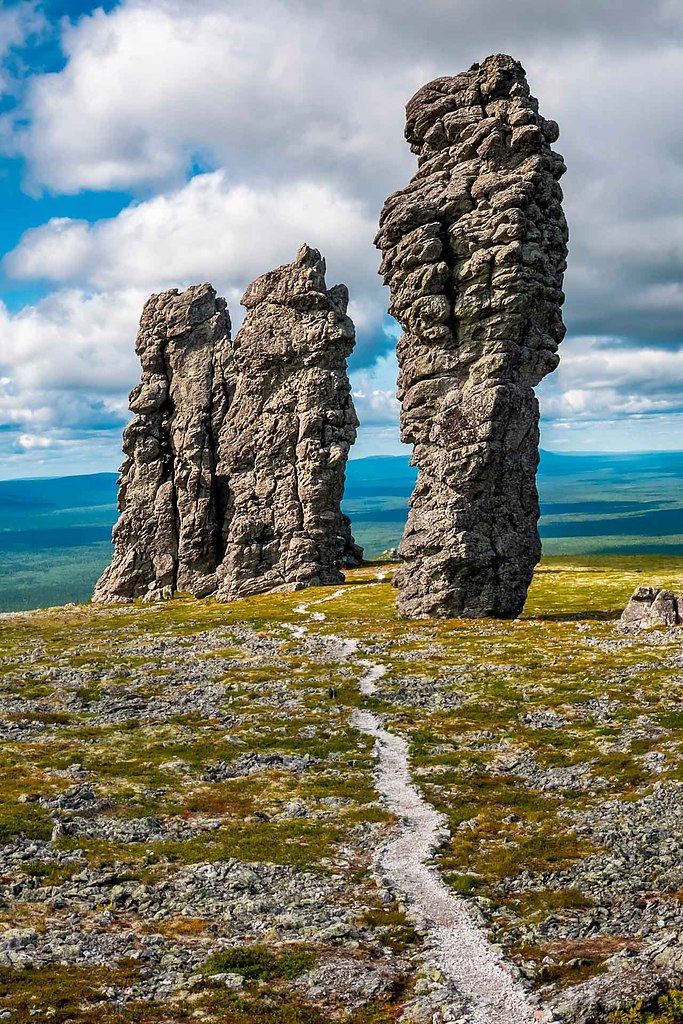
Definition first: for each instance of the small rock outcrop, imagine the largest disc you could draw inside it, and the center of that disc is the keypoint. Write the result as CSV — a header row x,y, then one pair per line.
x,y
168,536
474,252
652,606
284,445
235,461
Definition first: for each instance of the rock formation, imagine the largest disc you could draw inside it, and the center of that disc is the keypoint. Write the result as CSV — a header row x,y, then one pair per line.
x,y
652,606
168,536
284,445
474,253
235,460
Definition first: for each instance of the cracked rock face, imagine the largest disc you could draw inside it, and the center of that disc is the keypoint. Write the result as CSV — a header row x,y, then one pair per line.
x,y
651,606
235,461
168,536
284,445
474,252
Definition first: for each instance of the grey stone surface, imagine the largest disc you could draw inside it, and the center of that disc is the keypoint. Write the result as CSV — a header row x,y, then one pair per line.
x,y
234,463
652,606
171,504
474,253
285,443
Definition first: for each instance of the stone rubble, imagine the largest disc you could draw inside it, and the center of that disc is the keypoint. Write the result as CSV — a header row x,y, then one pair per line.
x,y
474,251
74,912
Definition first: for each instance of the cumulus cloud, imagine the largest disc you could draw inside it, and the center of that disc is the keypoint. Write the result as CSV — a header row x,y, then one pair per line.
x,y
17,24
271,88
295,113
282,95
374,392
600,378
209,230
66,366
151,87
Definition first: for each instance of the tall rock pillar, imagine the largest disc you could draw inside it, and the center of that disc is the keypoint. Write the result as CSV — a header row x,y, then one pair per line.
x,y
284,445
168,536
474,252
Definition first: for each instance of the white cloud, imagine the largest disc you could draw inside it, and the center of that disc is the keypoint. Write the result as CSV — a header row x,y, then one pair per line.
x,y
35,441
600,380
153,85
374,392
284,97
67,363
17,24
297,112
209,230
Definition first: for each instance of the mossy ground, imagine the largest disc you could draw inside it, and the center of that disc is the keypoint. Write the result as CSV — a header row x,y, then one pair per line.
x,y
495,681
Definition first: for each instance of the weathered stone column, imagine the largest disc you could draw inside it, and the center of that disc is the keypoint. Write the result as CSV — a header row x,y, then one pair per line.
x,y
168,536
284,446
474,253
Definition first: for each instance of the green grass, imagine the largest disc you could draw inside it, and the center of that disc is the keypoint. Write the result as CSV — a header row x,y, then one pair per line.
x,y
260,963
471,759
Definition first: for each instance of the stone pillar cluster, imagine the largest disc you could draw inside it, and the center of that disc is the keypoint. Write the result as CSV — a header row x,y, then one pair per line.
x,y
234,463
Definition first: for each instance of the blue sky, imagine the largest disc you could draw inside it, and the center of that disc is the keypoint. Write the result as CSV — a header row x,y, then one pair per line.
x,y
149,144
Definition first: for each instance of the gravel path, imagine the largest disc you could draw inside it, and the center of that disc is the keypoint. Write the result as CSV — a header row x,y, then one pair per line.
x,y
459,947
463,953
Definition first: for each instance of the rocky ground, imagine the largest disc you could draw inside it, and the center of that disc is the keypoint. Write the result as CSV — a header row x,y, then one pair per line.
x,y
190,822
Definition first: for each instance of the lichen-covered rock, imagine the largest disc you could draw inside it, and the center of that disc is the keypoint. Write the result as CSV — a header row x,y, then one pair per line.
x,y
474,253
284,445
652,606
168,536
235,460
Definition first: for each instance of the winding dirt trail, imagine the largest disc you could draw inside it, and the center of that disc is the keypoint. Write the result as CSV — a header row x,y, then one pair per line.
x,y
458,946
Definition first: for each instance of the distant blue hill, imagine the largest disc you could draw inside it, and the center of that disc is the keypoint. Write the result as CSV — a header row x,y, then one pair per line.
x,y
55,533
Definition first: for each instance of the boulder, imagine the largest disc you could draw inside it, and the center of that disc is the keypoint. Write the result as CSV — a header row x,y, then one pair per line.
x,y
652,606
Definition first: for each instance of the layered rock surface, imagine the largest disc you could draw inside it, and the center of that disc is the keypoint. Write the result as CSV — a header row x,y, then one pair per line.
x,y
284,445
474,253
235,460
168,536
652,606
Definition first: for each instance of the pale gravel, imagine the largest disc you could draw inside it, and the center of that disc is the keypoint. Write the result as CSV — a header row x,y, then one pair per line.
x,y
459,946
461,949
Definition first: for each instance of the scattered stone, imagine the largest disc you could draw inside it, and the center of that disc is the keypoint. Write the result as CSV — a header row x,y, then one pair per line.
x,y
253,764
629,979
570,778
389,555
546,719
360,982
474,253
230,980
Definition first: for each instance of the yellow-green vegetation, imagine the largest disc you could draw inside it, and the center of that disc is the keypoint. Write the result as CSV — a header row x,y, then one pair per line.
x,y
260,963
145,741
81,994
62,994
669,1010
